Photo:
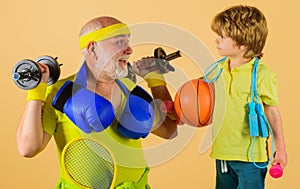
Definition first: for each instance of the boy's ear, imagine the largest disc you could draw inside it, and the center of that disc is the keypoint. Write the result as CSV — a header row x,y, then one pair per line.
x,y
243,47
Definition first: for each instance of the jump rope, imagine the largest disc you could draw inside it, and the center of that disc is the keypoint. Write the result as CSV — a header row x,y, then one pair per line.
x,y
258,122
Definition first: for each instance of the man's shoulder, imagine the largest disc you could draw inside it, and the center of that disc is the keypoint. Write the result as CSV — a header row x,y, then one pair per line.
x,y
56,86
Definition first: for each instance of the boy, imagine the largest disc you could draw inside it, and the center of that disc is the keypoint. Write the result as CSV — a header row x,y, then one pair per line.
x,y
242,33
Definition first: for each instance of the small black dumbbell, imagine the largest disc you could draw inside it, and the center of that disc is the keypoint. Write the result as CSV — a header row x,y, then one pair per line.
x,y
161,62
27,74
162,59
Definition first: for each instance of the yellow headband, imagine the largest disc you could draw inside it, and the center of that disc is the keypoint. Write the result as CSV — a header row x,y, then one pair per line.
x,y
104,33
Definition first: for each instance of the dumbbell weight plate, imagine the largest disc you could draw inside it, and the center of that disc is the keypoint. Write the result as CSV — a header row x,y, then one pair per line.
x,y
159,53
26,74
53,65
161,62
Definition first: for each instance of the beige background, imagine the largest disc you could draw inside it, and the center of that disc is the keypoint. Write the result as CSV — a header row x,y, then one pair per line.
x,y
32,28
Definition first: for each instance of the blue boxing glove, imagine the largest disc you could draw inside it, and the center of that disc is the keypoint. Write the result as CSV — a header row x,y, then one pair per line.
x,y
86,109
138,115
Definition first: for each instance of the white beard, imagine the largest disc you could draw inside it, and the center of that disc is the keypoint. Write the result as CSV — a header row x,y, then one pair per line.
x,y
115,71
122,73
110,66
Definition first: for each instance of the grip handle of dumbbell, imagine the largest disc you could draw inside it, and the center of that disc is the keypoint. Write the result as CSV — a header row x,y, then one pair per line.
x,y
173,56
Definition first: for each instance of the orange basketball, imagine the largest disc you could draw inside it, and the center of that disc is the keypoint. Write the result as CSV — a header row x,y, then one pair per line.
x,y
194,102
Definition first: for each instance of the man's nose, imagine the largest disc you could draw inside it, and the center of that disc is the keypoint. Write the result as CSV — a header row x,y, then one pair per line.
x,y
128,50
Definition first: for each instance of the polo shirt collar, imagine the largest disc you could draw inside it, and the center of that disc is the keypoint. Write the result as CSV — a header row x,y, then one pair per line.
x,y
248,65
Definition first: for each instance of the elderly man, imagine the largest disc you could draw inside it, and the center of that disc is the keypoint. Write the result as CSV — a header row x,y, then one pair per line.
x,y
98,102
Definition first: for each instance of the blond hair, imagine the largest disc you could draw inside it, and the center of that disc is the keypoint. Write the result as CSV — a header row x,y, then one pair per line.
x,y
246,25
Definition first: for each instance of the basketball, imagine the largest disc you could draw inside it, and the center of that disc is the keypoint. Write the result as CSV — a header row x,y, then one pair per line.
x,y
194,102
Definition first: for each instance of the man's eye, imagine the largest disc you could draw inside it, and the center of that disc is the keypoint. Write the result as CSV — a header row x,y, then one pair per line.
x,y
121,42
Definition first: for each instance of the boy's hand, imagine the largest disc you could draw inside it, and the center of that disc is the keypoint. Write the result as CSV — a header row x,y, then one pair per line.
x,y
281,158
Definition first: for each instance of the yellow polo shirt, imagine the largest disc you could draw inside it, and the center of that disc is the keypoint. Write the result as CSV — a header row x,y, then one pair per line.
x,y
231,137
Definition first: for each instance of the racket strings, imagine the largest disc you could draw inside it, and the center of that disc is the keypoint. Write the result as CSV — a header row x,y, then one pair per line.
x,y
89,164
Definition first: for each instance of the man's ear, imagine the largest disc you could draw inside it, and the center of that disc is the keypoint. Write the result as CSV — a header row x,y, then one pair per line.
x,y
90,49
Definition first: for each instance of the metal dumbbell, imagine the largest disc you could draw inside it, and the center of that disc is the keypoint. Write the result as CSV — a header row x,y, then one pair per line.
x,y
161,61
27,74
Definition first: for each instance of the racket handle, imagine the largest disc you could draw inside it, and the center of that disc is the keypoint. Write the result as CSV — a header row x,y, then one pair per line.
x,y
276,171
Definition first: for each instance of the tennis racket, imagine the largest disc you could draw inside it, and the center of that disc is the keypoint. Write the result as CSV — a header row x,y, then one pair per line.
x,y
89,164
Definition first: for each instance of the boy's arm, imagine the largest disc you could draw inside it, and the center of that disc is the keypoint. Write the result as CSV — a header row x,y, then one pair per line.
x,y
274,118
